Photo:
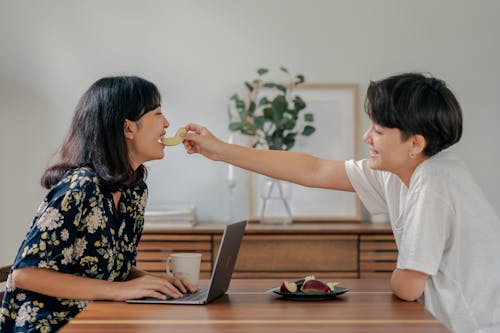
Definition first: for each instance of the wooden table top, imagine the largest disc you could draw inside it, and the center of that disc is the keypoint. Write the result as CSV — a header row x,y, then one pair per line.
x,y
293,228
369,306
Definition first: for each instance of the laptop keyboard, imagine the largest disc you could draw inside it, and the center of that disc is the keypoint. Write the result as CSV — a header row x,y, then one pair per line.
x,y
199,295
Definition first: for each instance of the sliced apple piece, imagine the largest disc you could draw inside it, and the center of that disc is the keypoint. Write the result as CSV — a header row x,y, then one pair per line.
x,y
174,140
313,286
309,277
332,285
289,287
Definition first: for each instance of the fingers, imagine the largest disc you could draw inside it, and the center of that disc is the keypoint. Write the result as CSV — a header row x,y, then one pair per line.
x,y
191,127
157,287
182,283
189,285
177,283
170,290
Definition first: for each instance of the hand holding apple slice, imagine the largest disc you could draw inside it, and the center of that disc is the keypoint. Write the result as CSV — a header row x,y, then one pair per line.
x,y
175,140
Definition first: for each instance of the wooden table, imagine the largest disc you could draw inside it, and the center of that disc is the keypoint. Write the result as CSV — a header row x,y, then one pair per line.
x,y
369,306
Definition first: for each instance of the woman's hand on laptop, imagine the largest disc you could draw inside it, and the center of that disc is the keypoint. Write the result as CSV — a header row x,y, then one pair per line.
x,y
150,286
182,284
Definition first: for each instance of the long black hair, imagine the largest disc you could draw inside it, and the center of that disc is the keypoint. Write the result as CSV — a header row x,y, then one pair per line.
x,y
96,137
416,104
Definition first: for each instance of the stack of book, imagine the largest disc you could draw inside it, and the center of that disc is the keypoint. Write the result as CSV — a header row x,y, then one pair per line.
x,y
169,216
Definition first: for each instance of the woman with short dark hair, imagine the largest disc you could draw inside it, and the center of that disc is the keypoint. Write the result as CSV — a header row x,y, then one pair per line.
x,y
446,231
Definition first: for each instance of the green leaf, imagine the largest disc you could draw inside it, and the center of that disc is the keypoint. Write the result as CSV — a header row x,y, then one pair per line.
x,y
243,115
283,69
281,88
234,97
235,126
289,140
240,105
280,104
308,130
268,113
249,129
290,124
269,85
299,79
251,107
249,86
309,117
263,101
262,71
259,122
299,103
275,144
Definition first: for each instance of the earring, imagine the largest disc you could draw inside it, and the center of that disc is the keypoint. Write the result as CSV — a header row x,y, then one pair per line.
x,y
412,155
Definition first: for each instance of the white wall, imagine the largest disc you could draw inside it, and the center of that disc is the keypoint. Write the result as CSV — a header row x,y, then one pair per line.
x,y
199,53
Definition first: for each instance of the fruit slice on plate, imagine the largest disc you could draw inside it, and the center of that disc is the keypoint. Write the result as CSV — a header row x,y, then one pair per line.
x,y
175,140
288,287
314,286
332,285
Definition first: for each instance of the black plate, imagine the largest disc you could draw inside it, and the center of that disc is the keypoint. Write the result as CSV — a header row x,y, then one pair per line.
x,y
301,296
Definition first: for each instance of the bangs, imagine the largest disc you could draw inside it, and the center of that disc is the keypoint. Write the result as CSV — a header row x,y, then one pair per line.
x,y
148,98
379,106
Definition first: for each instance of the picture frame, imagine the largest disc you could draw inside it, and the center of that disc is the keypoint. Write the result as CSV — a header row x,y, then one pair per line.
x,y
335,110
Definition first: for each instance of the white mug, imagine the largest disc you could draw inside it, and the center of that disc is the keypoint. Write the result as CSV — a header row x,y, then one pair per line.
x,y
185,265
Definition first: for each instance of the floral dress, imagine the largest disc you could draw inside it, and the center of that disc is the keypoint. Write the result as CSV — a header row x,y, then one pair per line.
x,y
76,230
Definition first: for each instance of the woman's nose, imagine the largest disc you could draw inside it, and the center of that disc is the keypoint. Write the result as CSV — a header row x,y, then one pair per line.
x,y
366,136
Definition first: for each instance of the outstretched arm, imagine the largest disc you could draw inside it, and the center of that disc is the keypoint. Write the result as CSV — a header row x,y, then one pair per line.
x,y
295,167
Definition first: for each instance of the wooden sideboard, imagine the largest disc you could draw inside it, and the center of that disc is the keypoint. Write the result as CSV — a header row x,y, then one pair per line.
x,y
328,250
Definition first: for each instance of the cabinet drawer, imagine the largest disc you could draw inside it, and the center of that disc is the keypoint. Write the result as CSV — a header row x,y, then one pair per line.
x,y
154,249
296,253
378,255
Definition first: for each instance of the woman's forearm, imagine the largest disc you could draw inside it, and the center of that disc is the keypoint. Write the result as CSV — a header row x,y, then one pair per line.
x,y
139,284
295,167
135,273
57,284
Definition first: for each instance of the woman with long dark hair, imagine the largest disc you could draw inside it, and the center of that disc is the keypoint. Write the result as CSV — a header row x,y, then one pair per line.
x,y
83,240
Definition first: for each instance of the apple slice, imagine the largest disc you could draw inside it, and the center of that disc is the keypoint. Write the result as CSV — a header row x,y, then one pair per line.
x,y
289,287
332,285
309,277
313,286
175,140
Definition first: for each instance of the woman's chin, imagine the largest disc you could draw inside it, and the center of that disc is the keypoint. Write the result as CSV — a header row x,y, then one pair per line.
x,y
373,163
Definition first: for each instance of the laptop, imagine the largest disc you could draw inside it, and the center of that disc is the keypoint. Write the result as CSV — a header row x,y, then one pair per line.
x,y
221,273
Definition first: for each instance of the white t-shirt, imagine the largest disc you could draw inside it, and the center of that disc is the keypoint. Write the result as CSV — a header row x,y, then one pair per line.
x,y
444,227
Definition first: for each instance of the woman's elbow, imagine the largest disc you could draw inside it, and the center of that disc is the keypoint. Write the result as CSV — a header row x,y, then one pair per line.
x,y
407,295
408,285
19,277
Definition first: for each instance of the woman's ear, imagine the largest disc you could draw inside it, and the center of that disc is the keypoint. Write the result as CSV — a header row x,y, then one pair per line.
x,y
129,129
418,144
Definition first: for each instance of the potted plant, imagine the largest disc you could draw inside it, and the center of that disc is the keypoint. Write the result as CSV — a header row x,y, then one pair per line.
x,y
271,118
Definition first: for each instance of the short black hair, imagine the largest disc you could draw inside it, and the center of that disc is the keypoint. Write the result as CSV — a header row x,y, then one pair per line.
x,y
96,137
416,104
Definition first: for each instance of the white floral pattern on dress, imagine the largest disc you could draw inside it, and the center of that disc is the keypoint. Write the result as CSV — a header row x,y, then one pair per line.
x,y
75,231
50,220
